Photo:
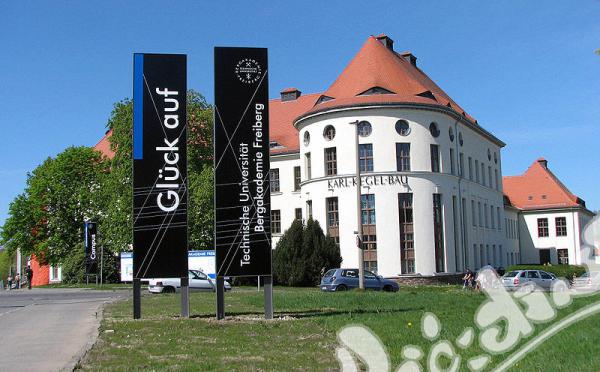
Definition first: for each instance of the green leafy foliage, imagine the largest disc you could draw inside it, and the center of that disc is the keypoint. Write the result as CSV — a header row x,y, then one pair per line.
x,y
303,253
46,220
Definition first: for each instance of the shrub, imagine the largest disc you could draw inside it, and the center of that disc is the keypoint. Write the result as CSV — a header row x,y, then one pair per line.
x,y
561,271
303,253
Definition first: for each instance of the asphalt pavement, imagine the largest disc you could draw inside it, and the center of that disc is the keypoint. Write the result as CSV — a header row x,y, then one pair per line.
x,y
49,329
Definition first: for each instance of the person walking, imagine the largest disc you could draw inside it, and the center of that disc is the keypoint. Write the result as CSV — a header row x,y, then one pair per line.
x,y
29,274
467,279
18,281
9,280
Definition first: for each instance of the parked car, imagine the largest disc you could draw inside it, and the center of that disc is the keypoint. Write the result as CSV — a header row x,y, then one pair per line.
x,y
588,281
515,279
198,282
337,280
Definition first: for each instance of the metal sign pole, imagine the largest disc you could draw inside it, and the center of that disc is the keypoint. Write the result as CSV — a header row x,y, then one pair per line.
x,y
137,299
268,286
220,297
185,297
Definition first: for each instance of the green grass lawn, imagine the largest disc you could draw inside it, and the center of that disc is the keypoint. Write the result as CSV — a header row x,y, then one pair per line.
x,y
304,338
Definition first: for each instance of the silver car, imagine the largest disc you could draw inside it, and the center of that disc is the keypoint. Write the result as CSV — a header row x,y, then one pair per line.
x,y
198,281
589,281
518,278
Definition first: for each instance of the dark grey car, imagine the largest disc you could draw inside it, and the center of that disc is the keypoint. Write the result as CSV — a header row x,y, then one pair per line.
x,y
336,280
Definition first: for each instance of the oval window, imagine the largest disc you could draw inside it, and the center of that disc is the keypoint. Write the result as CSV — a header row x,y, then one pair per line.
x,y
329,132
495,157
364,129
451,134
434,130
306,138
460,139
489,155
402,127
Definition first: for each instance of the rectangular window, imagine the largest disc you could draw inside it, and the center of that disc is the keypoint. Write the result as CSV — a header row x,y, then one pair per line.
x,y
438,233
542,227
561,226
461,164
275,221
330,161
308,165
370,251
492,219
452,170
435,158
274,179
480,215
563,256
473,216
309,209
485,215
367,206
498,218
477,171
403,157
482,174
333,217
297,179
298,213
366,157
490,176
470,168
407,248
496,179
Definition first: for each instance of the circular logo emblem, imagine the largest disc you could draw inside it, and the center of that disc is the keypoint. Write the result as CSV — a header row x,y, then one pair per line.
x,y
248,71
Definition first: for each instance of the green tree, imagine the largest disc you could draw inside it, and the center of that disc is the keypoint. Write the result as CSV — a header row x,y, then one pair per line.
x,y
117,226
303,253
6,258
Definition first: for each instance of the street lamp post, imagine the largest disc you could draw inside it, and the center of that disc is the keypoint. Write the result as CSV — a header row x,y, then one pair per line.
x,y
359,232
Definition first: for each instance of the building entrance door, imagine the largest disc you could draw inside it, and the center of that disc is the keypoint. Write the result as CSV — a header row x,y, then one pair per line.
x,y
544,256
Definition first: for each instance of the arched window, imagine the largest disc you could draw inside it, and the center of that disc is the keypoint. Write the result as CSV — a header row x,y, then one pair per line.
x,y
364,129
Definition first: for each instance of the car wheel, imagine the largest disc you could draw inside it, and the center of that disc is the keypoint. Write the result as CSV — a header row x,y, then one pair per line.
x,y
168,290
341,288
388,288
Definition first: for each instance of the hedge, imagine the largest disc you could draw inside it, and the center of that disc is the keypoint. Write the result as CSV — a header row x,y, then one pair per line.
x,y
561,271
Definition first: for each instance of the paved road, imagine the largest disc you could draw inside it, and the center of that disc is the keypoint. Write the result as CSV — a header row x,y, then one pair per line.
x,y
49,329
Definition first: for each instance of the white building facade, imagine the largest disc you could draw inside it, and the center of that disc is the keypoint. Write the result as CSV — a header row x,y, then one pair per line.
x,y
432,200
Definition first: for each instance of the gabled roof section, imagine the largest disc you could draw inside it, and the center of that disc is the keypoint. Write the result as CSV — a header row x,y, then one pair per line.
x,y
378,66
103,146
539,188
281,118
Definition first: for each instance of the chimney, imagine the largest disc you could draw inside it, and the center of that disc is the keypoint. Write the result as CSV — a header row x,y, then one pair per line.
x,y
290,94
543,162
386,41
410,58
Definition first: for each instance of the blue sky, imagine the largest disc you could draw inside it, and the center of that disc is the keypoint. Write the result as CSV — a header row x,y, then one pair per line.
x,y
525,69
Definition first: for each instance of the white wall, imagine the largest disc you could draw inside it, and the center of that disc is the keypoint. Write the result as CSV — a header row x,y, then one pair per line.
x,y
422,183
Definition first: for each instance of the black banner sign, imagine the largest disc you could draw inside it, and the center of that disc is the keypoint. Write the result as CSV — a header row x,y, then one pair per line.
x,y
91,253
242,192
160,196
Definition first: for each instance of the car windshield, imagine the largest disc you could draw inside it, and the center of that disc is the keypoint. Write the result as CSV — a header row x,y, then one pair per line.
x,y
511,274
196,275
329,273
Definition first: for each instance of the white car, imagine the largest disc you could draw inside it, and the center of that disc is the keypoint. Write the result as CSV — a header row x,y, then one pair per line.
x,y
198,282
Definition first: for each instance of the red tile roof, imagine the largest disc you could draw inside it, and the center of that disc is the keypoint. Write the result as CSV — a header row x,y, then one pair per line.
x,y
539,188
104,146
281,119
376,66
